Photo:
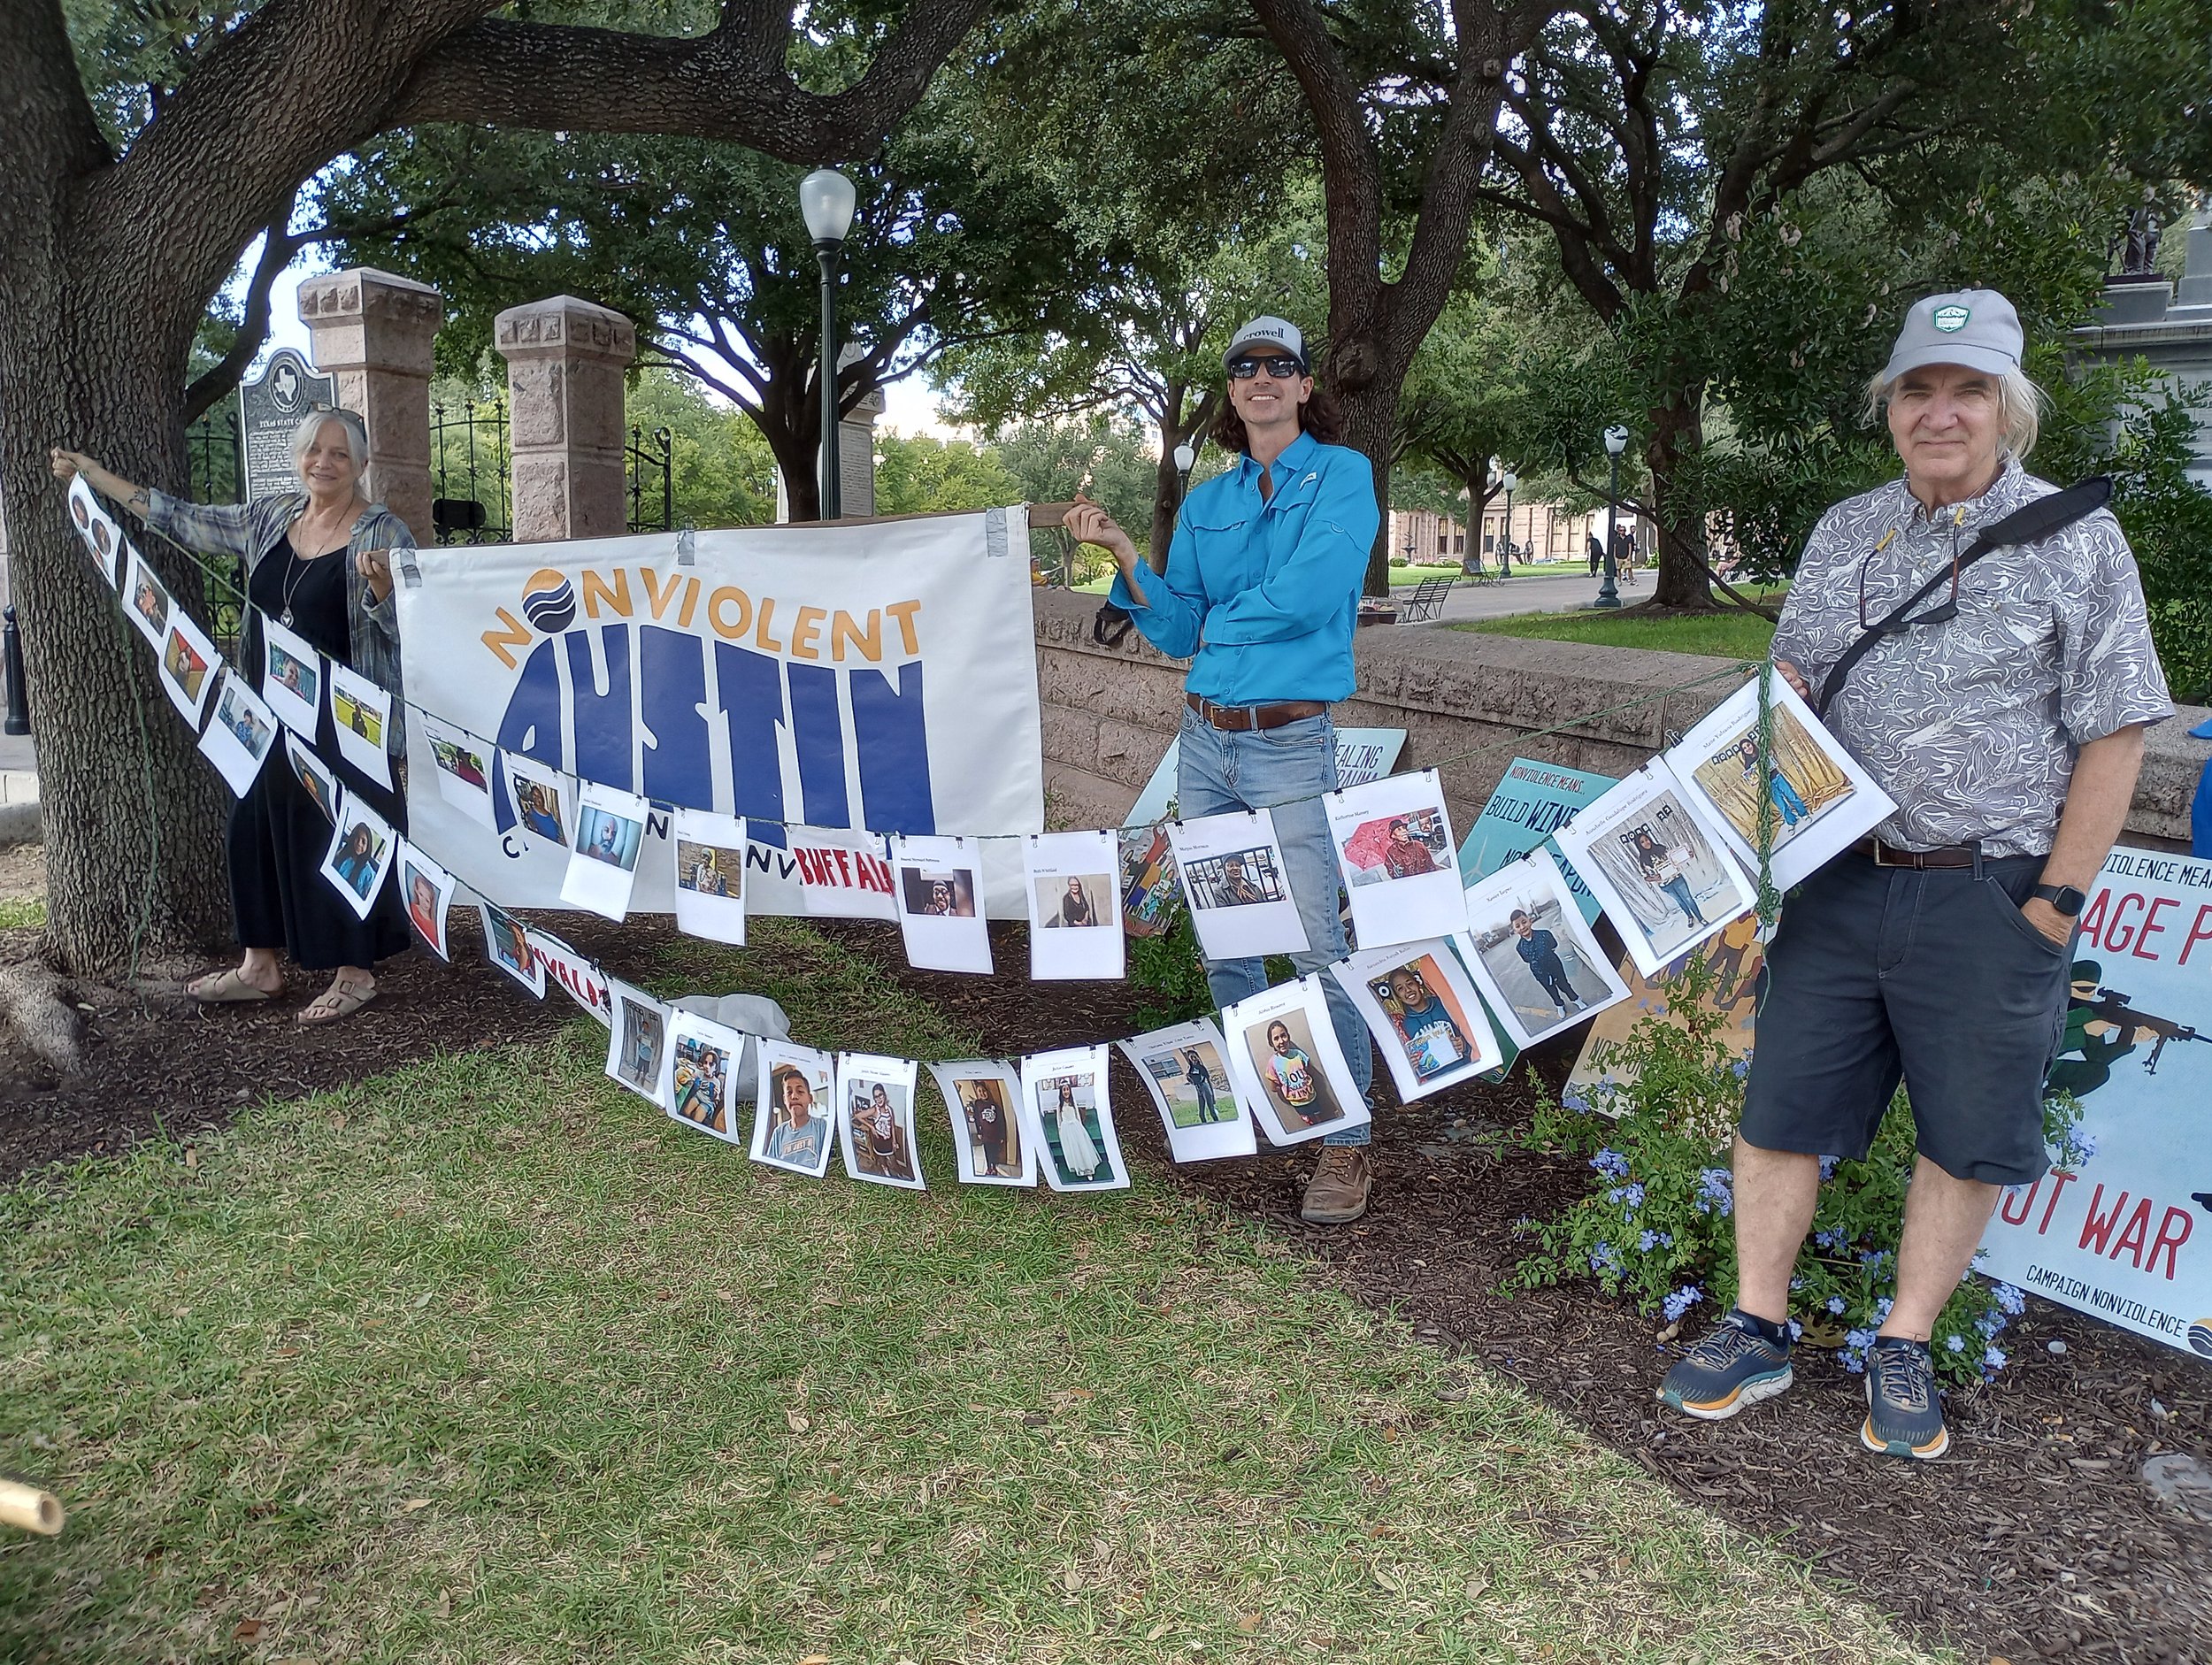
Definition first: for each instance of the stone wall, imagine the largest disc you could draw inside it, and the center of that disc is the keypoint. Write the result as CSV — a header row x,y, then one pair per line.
x,y
1108,714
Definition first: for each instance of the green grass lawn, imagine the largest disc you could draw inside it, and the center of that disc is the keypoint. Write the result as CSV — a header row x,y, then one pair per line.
x,y
1730,634
490,1360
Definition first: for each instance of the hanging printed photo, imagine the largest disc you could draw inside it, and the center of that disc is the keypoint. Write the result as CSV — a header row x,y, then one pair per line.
x,y
941,908
710,874
983,1097
791,1123
186,667
1074,923
360,854
1823,800
463,765
146,602
102,538
360,709
313,774
1663,874
507,946
292,678
576,975
843,872
1232,867
875,1119
1393,841
541,798
1186,1071
237,742
1151,888
700,1088
427,890
637,1039
1428,1023
602,862
1284,1057
1064,1097
1534,959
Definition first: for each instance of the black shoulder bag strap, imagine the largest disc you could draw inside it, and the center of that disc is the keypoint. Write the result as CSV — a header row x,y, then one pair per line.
x,y
2024,525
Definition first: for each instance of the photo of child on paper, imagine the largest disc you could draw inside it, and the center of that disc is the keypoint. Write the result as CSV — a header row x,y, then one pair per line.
x,y
185,667
1281,1050
311,771
1535,957
460,762
1243,878
994,1134
1075,900
607,837
151,602
798,1129
879,1124
639,1030
1067,1109
1196,1084
352,714
710,870
359,858
700,1084
1666,870
540,806
1426,1020
934,894
422,903
507,940
1802,782
245,725
1397,847
296,675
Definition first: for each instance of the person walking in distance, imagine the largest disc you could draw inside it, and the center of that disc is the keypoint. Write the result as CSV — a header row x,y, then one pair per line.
x,y
1262,594
2001,700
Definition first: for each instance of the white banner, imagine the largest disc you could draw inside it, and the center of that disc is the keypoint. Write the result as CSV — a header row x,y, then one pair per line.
x,y
880,676
2127,1235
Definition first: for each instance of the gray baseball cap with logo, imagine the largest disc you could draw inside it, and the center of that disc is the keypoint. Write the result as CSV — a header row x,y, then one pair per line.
x,y
1267,330
1976,328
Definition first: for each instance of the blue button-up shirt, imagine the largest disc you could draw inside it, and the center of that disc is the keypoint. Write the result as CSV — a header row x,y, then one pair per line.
x,y
1266,593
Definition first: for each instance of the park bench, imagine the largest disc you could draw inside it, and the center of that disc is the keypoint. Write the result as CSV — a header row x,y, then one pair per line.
x,y
1425,601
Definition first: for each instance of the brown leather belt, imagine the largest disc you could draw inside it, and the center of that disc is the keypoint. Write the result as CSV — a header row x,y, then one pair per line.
x,y
1243,719
1920,861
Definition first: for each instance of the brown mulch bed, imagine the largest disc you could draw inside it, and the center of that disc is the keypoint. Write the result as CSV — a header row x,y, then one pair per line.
x,y
2036,1537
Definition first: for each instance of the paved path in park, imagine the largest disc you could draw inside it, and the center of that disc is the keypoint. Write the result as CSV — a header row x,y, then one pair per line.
x,y
1553,593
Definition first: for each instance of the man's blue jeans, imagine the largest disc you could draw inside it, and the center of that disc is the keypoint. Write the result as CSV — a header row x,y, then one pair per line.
x,y
1260,768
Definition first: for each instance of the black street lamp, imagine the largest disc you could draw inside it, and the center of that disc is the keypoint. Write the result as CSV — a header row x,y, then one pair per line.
x,y
1505,545
1616,442
1185,459
826,199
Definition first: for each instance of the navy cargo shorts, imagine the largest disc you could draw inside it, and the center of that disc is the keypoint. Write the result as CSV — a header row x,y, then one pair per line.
x,y
1879,973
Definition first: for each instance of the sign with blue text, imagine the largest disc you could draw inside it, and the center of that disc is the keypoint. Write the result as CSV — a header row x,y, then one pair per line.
x,y
1362,755
2125,1232
1531,802
827,684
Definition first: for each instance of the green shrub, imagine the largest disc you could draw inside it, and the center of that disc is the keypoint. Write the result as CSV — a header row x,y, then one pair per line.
x,y
1656,1225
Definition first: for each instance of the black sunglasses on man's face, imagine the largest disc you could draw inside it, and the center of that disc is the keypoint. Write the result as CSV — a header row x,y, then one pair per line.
x,y
1281,369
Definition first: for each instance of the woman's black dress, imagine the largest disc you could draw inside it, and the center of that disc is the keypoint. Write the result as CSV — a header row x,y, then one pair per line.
x,y
278,837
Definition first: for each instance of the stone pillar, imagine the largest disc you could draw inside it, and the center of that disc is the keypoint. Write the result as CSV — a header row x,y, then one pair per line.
x,y
373,331
564,364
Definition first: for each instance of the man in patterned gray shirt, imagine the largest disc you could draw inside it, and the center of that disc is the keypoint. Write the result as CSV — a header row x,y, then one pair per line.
x,y
2006,719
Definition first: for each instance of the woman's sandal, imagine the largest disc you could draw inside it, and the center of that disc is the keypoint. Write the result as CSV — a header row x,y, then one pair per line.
x,y
223,988
340,1000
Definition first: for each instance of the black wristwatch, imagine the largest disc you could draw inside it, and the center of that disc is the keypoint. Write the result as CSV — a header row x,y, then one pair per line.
x,y
2064,898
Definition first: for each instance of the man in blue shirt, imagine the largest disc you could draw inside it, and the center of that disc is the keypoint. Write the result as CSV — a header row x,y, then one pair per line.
x,y
1262,594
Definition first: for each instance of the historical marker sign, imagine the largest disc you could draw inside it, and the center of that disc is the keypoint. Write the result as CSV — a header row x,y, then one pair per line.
x,y
271,406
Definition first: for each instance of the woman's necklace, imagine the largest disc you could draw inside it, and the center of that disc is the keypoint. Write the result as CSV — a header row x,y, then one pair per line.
x,y
298,568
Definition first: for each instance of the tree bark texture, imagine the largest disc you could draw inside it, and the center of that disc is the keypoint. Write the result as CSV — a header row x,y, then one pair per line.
x,y
107,263
1675,455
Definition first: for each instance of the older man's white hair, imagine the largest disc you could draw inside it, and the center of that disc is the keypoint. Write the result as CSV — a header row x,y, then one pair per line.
x,y
357,443
2019,409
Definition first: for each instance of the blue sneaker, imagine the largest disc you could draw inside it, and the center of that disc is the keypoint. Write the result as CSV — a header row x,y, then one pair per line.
x,y
1903,1415
1732,1367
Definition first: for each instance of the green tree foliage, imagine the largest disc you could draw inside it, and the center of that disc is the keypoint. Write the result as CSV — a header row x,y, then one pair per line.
x,y
925,475
724,474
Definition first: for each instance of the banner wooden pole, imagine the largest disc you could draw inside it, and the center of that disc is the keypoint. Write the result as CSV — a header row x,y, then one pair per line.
x,y
26,1506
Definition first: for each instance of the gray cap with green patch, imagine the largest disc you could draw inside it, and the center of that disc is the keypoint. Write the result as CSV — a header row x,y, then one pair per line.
x,y
1976,328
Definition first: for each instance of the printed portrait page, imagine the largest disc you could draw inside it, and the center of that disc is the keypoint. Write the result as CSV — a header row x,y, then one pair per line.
x,y
102,538
1284,1057
360,854
940,902
1659,870
1064,1094
710,853
1530,954
146,604
543,799
464,766
188,664
637,1040
1074,909
426,890
239,740
603,856
1428,1023
703,1065
875,1119
507,946
1231,868
991,1138
1394,843
291,678
360,709
795,1117
1186,1069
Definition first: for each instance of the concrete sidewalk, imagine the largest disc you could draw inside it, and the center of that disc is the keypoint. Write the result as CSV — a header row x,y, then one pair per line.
x,y
1555,592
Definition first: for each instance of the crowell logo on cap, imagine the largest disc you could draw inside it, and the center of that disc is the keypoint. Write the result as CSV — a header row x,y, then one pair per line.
x,y
1951,319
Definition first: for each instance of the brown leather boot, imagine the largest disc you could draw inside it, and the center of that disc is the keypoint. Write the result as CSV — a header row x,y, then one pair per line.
x,y
1337,1193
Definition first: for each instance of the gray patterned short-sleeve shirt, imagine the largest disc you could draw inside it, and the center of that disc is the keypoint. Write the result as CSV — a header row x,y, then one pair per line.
x,y
1973,725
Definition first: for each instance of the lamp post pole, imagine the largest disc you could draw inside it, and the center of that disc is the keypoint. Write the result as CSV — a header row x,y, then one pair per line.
x,y
1505,544
1616,442
826,199
1185,459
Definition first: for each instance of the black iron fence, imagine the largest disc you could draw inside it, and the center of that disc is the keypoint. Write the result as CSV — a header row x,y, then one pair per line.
x,y
470,469
216,454
651,479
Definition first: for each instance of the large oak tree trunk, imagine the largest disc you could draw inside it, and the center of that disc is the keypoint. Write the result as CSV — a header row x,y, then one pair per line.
x,y
1370,412
1675,457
